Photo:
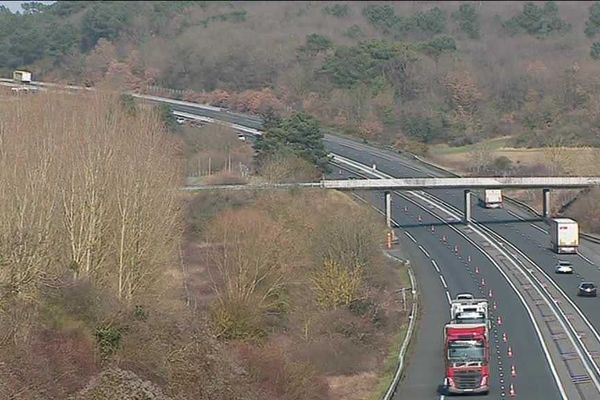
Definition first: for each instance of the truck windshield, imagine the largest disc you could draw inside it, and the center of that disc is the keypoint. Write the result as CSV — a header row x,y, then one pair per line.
x,y
466,351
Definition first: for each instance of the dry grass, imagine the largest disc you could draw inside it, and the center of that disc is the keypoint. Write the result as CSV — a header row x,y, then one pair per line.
x,y
353,387
302,231
581,161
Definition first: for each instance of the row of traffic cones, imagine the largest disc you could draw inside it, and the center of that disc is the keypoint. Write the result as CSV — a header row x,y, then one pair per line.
x,y
513,370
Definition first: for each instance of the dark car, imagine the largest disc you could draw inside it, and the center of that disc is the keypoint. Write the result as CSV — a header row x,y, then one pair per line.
x,y
587,289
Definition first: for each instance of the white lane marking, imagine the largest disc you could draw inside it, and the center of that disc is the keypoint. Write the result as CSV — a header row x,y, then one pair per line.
x,y
435,266
443,282
586,259
538,228
448,297
513,214
410,236
424,251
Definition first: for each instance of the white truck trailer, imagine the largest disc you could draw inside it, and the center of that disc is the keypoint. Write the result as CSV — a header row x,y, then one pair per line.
x,y
564,235
463,310
492,198
22,76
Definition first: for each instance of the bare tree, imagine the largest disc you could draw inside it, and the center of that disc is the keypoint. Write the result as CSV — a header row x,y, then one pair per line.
x,y
557,156
85,187
481,156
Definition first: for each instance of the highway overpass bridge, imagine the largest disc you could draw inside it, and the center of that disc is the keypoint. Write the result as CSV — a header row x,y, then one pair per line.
x,y
467,184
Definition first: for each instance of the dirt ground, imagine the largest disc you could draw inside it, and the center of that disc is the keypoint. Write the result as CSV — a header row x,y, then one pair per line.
x,y
577,161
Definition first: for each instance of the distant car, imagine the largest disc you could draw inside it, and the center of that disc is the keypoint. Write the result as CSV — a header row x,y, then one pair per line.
x,y
564,267
464,296
587,289
180,120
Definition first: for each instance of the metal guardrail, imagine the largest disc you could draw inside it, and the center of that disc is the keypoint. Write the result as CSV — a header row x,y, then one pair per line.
x,y
409,333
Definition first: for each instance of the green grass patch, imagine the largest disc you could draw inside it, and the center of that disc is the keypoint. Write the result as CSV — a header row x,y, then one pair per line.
x,y
493,144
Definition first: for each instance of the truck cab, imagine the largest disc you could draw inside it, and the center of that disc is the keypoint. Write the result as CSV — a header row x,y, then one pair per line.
x,y
467,358
466,346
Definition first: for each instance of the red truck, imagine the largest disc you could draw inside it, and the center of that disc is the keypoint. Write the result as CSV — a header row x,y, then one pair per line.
x,y
466,347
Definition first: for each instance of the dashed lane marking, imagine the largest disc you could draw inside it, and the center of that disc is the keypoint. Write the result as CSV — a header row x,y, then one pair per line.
x,y
443,282
424,251
410,237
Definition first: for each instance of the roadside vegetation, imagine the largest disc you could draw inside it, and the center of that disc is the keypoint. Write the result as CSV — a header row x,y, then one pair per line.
x,y
411,74
116,285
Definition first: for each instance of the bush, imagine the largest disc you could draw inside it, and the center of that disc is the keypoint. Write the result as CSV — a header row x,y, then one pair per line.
x,y
412,146
430,21
336,285
337,10
595,51
385,19
109,340
540,21
354,32
281,378
592,25
424,128
502,164
372,63
237,320
316,43
468,20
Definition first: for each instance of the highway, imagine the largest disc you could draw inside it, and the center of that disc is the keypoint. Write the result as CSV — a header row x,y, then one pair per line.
x,y
579,375
443,272
551,333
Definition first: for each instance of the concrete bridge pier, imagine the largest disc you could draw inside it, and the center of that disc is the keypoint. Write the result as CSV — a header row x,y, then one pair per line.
x,y
546,203
467,207
388,208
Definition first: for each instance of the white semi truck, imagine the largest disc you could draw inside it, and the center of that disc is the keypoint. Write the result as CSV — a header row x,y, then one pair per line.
x,y
492,198
564,235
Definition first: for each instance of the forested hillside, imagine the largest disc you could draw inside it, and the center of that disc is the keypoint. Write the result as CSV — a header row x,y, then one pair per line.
x,y
408,73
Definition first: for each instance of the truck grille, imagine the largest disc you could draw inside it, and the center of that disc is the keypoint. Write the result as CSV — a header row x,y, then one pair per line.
x,y
468,379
